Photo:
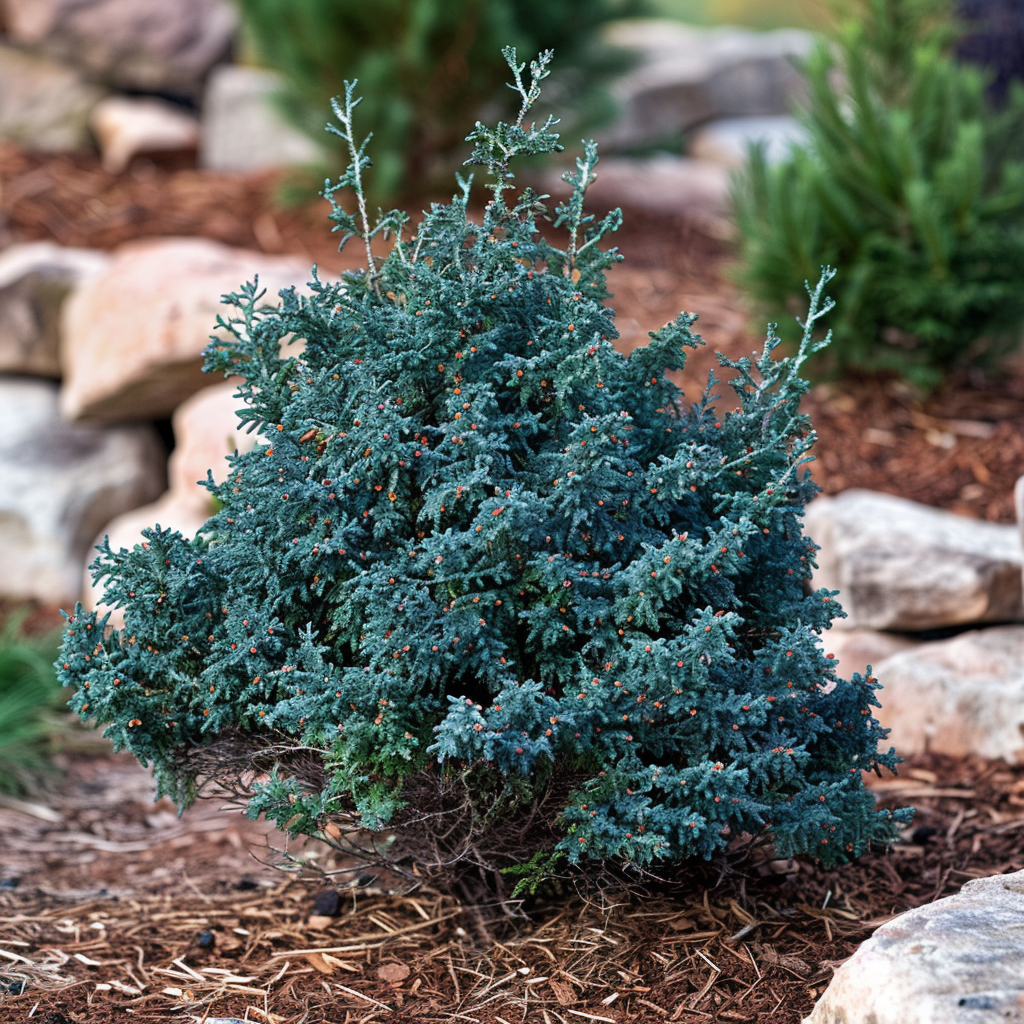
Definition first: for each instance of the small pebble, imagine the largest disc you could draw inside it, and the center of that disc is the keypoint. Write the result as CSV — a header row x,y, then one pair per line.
x,y
327,903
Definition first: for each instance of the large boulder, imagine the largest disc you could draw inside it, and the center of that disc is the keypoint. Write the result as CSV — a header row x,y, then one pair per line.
x,y
206,431
35,278
59,483
959,960
140,45
902,566
685,75
242,128
43,105
960,696
133,336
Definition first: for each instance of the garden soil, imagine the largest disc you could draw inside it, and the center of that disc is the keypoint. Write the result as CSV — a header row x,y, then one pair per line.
x,y
112,907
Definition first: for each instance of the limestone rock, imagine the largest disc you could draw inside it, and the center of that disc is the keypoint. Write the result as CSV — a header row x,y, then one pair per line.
x,y
59,483
125,127
903,566
133,336
959,696
687,75
856,649
243,130
206,431
727,141
129,44
664,184
959,960
43,105
35,278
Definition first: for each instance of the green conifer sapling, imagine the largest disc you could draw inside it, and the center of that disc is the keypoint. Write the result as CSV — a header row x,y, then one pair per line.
x,y
488,593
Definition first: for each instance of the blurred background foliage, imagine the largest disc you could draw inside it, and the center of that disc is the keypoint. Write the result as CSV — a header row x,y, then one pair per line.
x,y
31,703
911,183
426,68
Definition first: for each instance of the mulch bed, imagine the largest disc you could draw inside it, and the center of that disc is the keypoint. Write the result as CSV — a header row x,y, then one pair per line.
x,y
109,925
744,941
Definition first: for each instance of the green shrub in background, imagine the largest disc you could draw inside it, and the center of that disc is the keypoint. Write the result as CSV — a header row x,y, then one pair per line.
x,y
911,185
424,67
29,699
489,596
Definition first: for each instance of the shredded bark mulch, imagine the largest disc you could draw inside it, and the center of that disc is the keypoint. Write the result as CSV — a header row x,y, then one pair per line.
x,y
197,937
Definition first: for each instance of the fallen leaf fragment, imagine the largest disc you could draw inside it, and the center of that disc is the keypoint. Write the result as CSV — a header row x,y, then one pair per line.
x,y
393,973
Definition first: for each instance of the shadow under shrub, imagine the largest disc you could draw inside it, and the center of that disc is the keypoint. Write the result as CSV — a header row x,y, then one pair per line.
x,y
489,597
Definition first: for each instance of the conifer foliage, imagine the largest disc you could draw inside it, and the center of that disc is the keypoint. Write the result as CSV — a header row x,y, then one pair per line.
x,y
488,596
911,184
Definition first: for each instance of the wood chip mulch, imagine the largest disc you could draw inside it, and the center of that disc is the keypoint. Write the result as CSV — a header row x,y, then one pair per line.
x,y
725,943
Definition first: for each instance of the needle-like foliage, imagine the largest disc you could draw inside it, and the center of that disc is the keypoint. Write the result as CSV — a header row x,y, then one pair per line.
x,y
488,593
910,183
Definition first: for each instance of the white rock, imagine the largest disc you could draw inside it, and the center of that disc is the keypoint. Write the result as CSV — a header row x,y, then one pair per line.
x,y
959,960
960,696
242,128
206,431
125,127
728,141
59,483
133,336
130,44
857,649
35,278
687,75
902,566
664,184
43,105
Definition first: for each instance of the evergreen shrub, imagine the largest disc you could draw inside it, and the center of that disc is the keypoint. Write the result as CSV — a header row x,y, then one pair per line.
x,y
425,67
911,184
488,596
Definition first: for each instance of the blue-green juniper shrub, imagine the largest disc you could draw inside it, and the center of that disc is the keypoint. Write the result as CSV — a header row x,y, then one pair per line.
x,y
488,593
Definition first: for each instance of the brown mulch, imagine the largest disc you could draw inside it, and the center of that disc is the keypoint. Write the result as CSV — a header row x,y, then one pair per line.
x,y
115,892
747,942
